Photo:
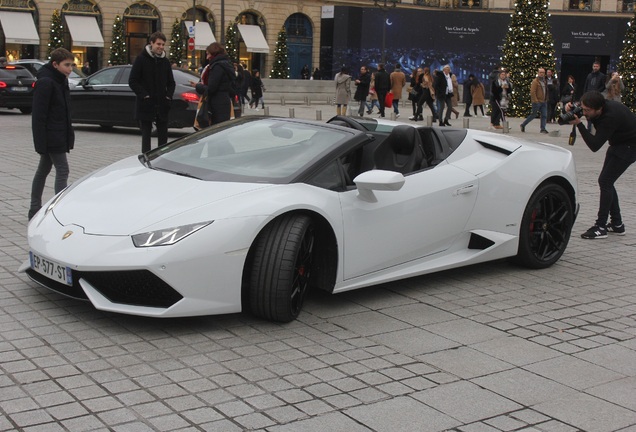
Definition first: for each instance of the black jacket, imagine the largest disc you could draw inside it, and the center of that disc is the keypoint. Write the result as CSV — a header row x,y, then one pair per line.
x,y
218,85
440,84
152,81
382,81
362,89
51,117
616,124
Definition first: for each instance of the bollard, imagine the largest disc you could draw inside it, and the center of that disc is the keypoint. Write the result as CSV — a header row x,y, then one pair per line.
x,y
282,100
318,115
466,123
429,121
393,116
291,113
266,111
506,127
308,101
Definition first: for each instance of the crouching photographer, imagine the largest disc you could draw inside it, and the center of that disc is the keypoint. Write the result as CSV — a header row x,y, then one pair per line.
x,y
616,124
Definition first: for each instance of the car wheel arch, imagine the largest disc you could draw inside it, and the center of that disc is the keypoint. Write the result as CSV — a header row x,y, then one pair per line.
x,y
325,263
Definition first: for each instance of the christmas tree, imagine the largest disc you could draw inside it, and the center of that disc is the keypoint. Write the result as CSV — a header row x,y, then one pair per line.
x,y
230,43
118,53
280,70
528,45
177,42
627,66
56,34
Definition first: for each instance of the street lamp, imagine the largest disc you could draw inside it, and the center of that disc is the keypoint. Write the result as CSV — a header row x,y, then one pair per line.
x,y
384,7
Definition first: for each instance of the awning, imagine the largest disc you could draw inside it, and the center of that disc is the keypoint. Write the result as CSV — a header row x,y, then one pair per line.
x,y
253,37
84,31
19,28
203,35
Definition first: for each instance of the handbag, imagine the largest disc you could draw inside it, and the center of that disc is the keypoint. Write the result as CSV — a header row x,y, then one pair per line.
x,y
388,100
202,118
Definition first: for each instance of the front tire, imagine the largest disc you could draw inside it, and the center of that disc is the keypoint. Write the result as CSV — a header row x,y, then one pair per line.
x,y
281,268
545,227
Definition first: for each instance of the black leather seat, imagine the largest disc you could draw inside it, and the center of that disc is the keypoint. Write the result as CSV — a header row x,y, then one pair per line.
x,y
401,151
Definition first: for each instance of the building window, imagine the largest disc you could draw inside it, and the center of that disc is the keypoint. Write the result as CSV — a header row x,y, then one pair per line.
x,y
581,5
427,3
470,4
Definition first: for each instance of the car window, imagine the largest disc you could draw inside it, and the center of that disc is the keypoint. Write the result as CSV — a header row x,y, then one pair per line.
x,y
103,77
256,151
185,77
125,74
11,72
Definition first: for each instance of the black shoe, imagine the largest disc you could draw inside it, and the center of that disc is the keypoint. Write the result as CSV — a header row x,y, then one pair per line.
x,y
467,115
446,123
419,117
595,232
523,128
369,111
413,118
543,131
616,229
32,213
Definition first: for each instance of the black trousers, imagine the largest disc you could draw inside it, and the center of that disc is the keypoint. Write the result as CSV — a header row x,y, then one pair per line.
x,y
146,131
617,160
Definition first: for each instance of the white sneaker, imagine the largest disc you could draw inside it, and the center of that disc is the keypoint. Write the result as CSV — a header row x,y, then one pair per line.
x,y
256,109
397,115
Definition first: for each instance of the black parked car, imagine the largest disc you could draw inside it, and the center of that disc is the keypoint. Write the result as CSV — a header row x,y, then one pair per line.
x,y
16,88
106,99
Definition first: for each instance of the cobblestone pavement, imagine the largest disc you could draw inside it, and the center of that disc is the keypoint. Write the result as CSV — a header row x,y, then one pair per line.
x,y
490,347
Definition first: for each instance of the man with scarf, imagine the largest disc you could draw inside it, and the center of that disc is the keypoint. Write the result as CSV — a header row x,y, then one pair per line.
x,y
152,81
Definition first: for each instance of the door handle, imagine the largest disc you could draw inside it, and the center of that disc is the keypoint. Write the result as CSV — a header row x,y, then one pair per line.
x,y
465,189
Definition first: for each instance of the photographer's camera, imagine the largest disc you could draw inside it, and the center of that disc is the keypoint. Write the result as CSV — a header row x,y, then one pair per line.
x,y
568,116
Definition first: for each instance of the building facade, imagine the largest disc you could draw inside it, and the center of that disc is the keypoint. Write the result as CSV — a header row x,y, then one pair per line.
x,y
314,28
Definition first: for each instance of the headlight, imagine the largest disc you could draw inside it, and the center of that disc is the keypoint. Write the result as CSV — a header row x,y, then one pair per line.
x,y
168,236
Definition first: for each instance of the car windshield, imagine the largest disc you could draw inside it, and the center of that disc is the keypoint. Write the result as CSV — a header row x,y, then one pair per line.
x,y
263,150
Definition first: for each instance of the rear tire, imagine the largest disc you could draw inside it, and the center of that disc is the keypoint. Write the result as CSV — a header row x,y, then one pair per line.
x,y
545,228
281,268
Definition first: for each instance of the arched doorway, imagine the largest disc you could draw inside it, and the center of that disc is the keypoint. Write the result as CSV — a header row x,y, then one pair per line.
x,y
299,42
83,32
141,19
202,29
245,45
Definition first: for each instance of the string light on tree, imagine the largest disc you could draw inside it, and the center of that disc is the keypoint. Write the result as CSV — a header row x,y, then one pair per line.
x,y
627,66
118,52
280,69
230,42
529,28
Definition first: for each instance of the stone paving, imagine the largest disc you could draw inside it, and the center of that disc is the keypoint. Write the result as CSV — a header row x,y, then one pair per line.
x,y
491,347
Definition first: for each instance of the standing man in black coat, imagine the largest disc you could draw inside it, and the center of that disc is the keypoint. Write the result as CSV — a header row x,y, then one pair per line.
x,y
152,81
362,89
53,134
382,86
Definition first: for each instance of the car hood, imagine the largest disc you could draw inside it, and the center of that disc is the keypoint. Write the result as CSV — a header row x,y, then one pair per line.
x,y
127,197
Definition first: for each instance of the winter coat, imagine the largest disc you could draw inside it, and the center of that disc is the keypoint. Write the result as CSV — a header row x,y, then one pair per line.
x,y
454,99
478,92
440,84
382,81
256,87
362,87
153,83
398,81
467,96
51,116
343,88
538,92
217,82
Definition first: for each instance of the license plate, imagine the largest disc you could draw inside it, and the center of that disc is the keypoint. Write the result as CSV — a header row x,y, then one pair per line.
x,y
51,269
20,89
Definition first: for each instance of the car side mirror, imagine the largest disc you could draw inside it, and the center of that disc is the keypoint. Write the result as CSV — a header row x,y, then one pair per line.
x,y
379,180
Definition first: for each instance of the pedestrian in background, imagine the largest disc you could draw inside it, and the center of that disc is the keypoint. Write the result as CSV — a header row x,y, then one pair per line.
x,y
398,81
216,83
425,81
415,91
553,94
363,83
382,86
614,87
539,99
568,94
499,98
467,96
153,83
478,93
443,84
53,134
373,97
343,91
245,84
256,87
455,96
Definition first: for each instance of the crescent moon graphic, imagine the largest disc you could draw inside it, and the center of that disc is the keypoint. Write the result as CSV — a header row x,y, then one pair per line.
x,y
388,22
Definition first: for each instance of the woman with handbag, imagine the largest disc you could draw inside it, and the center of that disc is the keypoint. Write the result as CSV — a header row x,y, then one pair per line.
x,y
425,82
216,83
343,91
415,92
